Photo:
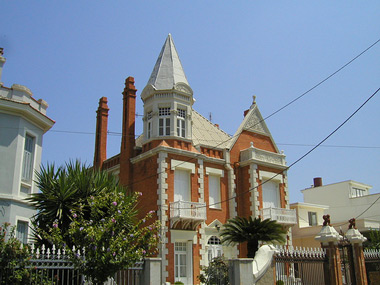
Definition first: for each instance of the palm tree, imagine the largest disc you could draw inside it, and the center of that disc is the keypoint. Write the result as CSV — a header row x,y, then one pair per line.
x,y
239,230
66,189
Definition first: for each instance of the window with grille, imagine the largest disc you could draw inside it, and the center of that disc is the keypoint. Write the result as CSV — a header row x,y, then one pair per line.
x,y
181,126
27,165
164,122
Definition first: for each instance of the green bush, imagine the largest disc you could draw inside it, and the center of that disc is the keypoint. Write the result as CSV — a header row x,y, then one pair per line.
x,y
14,257
215,273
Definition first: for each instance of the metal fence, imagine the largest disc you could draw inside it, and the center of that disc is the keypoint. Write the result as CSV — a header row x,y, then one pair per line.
x,y
51,266
372,265
300,266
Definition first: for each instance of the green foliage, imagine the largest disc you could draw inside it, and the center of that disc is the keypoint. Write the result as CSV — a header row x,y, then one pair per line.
x,y
110,233
373,239
178,283
88,209
239,230
280,282
14,257
215,273
63,190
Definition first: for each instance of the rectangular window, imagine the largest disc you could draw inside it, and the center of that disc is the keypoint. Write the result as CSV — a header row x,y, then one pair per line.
x,y
271,194
164,123
22,231
180,257
181,115
149,117
182,185
312,218
214,191
357,192
27,166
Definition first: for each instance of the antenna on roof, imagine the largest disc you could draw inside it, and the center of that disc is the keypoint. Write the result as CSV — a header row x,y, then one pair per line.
x,y
210,116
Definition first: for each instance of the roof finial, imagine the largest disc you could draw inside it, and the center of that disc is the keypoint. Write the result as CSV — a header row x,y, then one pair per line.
x,y
253,99
1,51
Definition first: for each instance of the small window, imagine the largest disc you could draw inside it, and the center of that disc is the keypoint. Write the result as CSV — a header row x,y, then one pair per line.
x,y
214,191
27,166
164,123
149,117
22,231
312,218
357,192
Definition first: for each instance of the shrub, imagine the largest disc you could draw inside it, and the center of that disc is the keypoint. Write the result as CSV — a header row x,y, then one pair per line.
x,y
215,273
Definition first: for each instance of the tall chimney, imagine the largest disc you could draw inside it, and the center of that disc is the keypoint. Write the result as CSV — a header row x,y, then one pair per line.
x,y
318,181
2,61
128,133
101,133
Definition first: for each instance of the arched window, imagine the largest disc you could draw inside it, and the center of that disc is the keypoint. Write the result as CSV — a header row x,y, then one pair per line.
x,y
214,248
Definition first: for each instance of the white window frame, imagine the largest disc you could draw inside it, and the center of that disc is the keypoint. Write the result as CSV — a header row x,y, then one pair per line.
x,y
216,174
29,151
164,121
25,237
312,217
181,122
266,175
149,123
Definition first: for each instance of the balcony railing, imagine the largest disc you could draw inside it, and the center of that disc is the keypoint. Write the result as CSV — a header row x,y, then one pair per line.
x,y
188,214
280,215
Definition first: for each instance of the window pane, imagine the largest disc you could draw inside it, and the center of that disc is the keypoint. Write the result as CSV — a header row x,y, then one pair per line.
x,y
22,231
214,191
167,126
27,166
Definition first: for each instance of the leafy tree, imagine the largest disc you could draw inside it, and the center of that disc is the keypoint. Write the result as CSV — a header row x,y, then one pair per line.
x,y
373,239
63,190
88,209
215,273
239,230
109,238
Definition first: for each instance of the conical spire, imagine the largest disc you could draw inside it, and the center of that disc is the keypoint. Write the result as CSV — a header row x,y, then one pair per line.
x,y
168,70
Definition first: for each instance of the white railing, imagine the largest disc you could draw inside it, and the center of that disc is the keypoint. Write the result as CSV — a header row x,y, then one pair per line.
x,y
281,215
188,210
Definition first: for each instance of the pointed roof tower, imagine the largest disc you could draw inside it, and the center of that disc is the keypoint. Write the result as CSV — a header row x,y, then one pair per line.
x,y
168,72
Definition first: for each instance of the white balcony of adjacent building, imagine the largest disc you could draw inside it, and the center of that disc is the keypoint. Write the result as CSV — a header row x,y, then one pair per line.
x,y
187,215
282,216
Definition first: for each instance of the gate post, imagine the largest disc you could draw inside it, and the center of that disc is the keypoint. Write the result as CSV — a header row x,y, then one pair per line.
x,y
329,238
356,239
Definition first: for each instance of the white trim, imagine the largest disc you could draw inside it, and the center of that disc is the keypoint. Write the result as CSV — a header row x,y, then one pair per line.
x,y
267,174
214,171
182,165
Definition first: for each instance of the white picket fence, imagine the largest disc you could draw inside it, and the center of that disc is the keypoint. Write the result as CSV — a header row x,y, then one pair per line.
x,y
55,265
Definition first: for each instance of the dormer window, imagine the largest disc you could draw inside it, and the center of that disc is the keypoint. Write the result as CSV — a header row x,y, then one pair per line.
x,y
164,121
181,126
357,192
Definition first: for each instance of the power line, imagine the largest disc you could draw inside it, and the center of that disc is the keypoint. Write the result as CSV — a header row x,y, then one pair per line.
x,y
302,157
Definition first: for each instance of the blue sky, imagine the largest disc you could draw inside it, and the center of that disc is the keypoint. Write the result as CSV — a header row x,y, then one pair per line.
x,y
72,53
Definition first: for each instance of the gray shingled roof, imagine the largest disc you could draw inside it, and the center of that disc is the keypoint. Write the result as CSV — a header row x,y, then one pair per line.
x,y
168,70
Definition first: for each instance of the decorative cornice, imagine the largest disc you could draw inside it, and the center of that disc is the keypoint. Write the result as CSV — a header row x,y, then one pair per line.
x,y
172,150
262,157
22,88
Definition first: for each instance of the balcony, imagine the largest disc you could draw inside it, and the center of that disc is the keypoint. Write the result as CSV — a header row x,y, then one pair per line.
x,y
187,215
282,216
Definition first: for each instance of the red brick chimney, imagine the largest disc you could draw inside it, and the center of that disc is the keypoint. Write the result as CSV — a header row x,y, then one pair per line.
x,y
101,133
318,181
128,133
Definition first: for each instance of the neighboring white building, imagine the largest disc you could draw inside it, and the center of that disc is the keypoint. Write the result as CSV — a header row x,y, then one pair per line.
x,y
309,222
342,201
23,122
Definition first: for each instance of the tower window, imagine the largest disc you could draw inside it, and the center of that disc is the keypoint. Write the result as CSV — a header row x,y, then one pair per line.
x,y
181,127
149,119
164,122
